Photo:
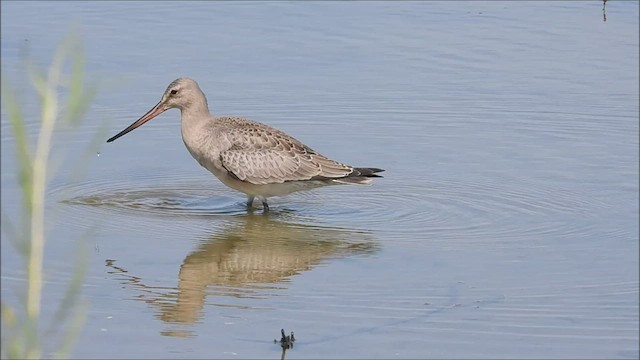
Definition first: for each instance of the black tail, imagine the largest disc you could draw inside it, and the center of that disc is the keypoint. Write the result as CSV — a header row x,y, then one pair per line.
x,y
359,176
366,172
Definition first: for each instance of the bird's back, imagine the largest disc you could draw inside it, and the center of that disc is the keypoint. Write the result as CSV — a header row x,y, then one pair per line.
x,y
260,154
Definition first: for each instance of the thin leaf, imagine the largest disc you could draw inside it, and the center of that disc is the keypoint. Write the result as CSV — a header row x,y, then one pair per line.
x,y
17,240
72,333
72,293
25,159
76,97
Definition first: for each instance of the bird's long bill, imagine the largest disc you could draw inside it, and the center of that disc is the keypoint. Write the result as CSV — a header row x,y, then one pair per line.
x,y
155,111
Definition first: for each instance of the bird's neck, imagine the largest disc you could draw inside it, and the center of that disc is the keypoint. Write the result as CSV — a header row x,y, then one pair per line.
x,y
193,119
197,110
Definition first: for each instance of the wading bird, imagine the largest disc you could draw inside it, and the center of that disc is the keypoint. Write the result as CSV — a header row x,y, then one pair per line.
x,y
246,155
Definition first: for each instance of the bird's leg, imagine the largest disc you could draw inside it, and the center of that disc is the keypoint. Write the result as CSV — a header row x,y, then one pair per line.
x,y
265,206
250,201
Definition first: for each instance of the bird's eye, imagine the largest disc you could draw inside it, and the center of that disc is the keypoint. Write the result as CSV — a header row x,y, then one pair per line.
x,y
174,91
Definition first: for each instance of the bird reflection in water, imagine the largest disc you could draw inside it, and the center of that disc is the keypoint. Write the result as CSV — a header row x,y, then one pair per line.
x,y
253,259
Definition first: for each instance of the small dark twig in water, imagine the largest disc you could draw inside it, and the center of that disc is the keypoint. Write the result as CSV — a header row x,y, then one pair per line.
x,y
604,10
286,341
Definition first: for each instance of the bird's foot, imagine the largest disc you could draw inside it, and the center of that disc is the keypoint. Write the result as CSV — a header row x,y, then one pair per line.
x,y
265,206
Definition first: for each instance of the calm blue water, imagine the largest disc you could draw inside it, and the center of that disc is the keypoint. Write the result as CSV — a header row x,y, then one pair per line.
x,y
506,225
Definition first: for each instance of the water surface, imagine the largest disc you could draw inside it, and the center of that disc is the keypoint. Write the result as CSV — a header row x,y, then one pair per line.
x,y
506,225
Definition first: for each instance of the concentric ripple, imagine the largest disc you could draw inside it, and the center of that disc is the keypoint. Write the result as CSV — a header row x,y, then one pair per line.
x,y
407,209
413,209
145,204
154,195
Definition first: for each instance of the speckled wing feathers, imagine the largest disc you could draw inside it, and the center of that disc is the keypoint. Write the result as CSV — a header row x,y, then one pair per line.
x,y
260,154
